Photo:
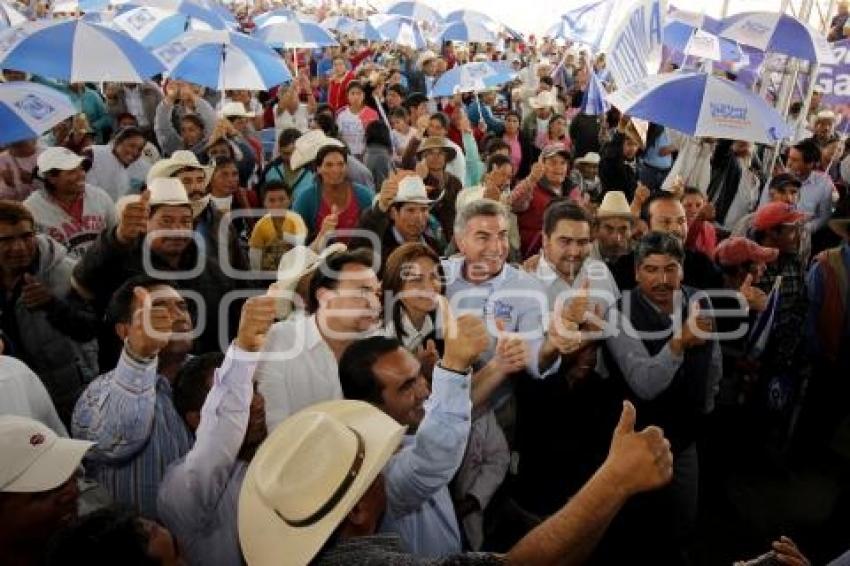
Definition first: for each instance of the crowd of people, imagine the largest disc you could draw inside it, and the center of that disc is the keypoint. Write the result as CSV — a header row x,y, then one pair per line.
x,y
344,322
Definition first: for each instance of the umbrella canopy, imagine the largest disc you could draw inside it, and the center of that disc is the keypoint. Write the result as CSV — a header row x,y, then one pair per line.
x,y
415,10
778,33
469,32
278,16
472,77
399,30
338,23
9,16
153,27
76,51
695,20
295,34
223,60
187,8
695,42
705,106
361,29
28,109
86,6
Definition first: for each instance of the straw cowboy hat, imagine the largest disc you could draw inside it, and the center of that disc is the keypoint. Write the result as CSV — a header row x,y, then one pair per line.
x,y
308,475
308,146
180,159
436,143
614,205
294,265
544,99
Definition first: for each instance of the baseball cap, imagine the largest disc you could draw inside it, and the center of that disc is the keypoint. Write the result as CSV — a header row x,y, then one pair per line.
x,y
775,213
555,149
737,250
33,458
60,158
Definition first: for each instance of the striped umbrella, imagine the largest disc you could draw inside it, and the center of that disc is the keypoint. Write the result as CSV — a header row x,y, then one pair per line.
x,y
295,34
778,33
223,60
398,30
9,16
28,109
415,10
76,51
153,27
277,16
469,32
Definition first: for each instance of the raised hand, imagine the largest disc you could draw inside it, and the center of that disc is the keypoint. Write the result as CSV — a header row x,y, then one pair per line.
x,y
536,173
638,461
695,328
34,293
530,265
389,189
756,298
422,169
258,315
466,338
511,350
134,219
577,309
330,222
150,328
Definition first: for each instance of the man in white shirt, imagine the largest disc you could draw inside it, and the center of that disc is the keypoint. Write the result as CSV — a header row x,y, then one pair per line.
x,y
300,359
290,112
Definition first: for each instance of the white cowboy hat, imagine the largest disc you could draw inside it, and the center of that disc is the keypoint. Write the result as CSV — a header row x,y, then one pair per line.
x,y
412,189
308,146
180,159
308,475
294,265
614,204
589,157
544,99
235,110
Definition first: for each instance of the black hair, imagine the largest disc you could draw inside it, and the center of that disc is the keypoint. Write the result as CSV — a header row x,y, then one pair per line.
x,y
662,196
659,243
274,185
377,133
562,209
195,119
355,85
123,116
121,303
327,123
324,108
356,374
401,113
498,160
547,81
327,275
223,161
809,150
415,99
112,535
692,191
288,137
495,144
441,118
326,150
653,133
126,133
783,180
515,114
192,382
398,89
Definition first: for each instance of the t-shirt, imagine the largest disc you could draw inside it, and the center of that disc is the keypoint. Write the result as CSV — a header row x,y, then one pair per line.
x,y
348,218
275,236
352,128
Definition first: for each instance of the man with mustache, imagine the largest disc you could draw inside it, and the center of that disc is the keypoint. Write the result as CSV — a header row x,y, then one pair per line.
x,y
661,354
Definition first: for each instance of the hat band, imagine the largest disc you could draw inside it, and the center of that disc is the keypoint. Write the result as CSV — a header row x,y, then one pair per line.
x,y
340,492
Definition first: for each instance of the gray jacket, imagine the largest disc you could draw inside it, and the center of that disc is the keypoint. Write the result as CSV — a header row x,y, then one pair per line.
x,y
166,133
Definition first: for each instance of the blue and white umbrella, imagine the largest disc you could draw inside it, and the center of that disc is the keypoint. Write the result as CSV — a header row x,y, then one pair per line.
x,y
28,109
153,27
398,30
278,16
362,29
295,34
188,8
594,103
223,60
415,10
84,6
338,23
695,20
472,77
701,105
76,51
469,32
698,43
778,33
9,16
222,12
465,15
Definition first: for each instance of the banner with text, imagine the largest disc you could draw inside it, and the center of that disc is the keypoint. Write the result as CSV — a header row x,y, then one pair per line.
x,y
634,48
835,79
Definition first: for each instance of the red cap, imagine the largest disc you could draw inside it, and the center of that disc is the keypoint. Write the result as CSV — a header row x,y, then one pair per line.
x,y
737,250
775,213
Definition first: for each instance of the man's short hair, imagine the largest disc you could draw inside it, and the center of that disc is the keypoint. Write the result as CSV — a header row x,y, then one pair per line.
x,y
111,535
192,382
120,308
692,191
563,209
329,149
784,180
483,207
327,275
13,212
658,243
195,119
356,374
288,137
663,196
398,89
441,118
498,160
495,144
400,113
809,150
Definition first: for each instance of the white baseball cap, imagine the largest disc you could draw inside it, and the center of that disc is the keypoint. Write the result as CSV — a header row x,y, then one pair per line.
x,y
33,458
60,158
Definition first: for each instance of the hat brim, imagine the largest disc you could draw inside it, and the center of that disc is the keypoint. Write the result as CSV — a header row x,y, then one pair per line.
x,y
424,201
301,158
167,171
52,468
267,540
450,152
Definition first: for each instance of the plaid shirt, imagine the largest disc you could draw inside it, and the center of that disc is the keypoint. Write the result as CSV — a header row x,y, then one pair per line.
x,y
787,333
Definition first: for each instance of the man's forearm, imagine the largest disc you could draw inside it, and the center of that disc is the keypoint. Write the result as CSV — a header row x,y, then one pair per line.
x,y
570,535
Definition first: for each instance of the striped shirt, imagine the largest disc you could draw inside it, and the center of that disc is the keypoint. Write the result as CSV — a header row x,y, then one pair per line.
x,y
130,416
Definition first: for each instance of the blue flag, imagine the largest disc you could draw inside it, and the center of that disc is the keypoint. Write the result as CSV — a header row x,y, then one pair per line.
x,y
586,24
594,102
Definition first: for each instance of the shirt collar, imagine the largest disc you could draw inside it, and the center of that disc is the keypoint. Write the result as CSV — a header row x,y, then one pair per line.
x,y
456,268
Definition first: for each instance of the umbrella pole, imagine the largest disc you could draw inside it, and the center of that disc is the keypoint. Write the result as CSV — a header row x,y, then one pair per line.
x,y
295,60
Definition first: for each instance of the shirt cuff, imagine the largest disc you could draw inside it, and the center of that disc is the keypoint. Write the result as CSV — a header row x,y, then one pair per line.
x,y
450,391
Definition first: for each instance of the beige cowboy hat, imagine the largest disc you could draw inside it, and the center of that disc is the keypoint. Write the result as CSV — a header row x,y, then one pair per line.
x,y
614,205
308,475
180,159
308,146
434,142
543,99
294,265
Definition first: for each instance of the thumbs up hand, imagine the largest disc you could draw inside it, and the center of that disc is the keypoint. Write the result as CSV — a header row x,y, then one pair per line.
x,y
330,222
34,293
637,461
258,315
150,327
756,298
511,350
134,219
466,338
